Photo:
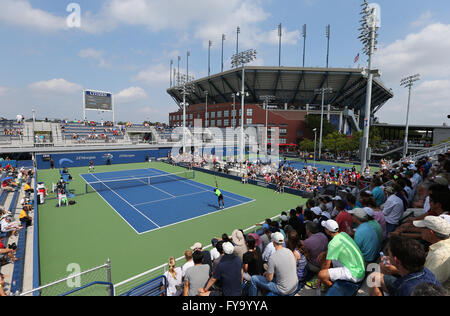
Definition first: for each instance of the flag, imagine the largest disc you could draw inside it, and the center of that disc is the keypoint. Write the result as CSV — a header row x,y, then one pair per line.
x,y
356,58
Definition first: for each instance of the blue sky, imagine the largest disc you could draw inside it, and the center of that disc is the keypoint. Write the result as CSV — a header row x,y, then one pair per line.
x,y
125,46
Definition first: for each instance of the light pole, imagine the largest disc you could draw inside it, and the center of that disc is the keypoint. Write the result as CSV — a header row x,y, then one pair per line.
x,y
315,142
178,76
186,88
328,34
322,91
34,122
266,99
304,44
280,34
171,64
408,82
209,58
206,113
188,54
369,27
238,31
223,40
234,110
242,59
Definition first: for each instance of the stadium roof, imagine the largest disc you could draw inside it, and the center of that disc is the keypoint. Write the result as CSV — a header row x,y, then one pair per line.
x,y
291,85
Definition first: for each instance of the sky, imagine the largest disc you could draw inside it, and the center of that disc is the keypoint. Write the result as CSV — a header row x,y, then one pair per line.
x,y
49,55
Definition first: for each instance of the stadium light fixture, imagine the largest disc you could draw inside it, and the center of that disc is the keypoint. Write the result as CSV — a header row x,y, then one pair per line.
x,y
369,27
237,60
408,82
322,91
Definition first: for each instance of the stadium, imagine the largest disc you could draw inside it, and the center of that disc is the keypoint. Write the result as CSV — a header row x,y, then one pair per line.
x,y
229,186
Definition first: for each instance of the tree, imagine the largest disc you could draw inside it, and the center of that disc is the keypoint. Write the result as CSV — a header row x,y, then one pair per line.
x,y
313,121
307,145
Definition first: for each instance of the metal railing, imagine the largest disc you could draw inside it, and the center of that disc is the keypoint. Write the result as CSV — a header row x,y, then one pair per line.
x,y
98,274
140,279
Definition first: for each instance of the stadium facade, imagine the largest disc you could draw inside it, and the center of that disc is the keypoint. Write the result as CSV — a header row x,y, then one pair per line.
x,y
295,96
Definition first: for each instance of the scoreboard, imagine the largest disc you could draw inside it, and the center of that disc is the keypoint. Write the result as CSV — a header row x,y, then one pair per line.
x,y
98,100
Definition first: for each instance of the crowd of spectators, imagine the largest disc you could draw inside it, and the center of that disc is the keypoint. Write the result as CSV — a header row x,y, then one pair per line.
x,y
399,222
10,224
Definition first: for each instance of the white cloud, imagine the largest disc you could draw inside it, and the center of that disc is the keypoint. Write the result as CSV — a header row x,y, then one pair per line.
x,y
271,37
131,94
424,19
91,53
154,75
58,86
22,14
4,91
424,52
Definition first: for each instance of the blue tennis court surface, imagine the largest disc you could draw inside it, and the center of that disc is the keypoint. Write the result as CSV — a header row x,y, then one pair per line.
x,y
147,207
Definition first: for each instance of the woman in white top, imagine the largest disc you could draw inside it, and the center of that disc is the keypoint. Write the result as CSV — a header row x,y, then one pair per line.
x,y
174,279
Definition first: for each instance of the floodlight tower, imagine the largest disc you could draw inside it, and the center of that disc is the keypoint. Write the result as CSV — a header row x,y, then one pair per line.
x,y
223,40
408,82
209,58
237,60
280,34
186,87
304,44
369,27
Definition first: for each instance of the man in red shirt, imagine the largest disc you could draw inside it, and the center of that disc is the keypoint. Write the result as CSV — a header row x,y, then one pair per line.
x,y
344,219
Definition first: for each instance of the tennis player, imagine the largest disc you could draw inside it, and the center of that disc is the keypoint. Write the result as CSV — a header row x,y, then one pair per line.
x,y
91,166
220,197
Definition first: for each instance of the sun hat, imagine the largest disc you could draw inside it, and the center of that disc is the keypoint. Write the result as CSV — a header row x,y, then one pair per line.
x,y
238,238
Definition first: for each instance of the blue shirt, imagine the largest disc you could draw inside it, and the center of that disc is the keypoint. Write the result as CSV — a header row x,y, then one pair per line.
x,y
368,242
405,285
378,194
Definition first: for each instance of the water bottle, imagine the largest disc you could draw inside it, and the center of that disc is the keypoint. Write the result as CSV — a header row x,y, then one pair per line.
x,y
385,259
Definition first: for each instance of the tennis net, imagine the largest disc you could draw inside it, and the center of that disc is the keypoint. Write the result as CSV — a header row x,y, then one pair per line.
x,y
109,185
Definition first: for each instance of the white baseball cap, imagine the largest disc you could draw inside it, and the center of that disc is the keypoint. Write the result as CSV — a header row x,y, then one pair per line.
x,y
436,224
331,225
316,210
228,248
197,245
278,238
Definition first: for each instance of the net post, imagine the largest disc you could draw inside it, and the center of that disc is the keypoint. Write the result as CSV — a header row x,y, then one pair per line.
x,y
108,276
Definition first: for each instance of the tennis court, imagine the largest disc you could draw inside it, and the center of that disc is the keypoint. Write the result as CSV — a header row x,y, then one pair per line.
x,y
151,199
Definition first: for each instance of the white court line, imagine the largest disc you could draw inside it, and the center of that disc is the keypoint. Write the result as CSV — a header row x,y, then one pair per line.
x,y
192,218
128,202
112,207
205,190
152,186
173,198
